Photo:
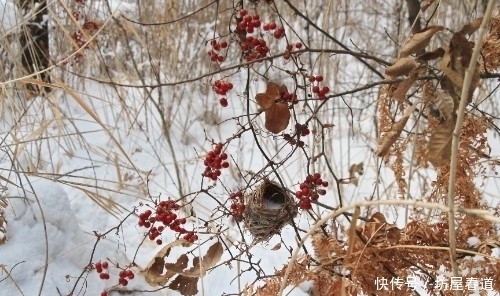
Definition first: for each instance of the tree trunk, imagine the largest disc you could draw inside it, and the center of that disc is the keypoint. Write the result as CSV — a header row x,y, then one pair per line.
x,y
35,41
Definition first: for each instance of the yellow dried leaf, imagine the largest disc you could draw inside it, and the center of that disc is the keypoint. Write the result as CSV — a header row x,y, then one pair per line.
x,y
420,40
403,66
392,135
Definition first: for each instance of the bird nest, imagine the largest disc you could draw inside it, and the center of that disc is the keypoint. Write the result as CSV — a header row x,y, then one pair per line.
x,y
268,208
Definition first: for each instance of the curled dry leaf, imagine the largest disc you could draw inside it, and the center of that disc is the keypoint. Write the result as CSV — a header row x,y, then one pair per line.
x,y
431,55
472,27
353,169
403,66
440,142
392,135
277,114
420,40
404,86
454,64
379,233
445,105
186,279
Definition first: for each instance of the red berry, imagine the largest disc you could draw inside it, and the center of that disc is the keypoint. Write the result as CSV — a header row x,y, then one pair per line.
x,y
272,25
325,183
123,282
319,78
312,78
223,102
104,293
315,89
265,27
159,242
105,265
298,45
243,12
98,265
98,269
104,276
223,44
317,176
213,42
325,90
130,274
225,164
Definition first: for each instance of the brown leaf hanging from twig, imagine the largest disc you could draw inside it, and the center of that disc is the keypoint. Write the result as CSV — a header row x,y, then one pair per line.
x,y
392,135
353,169
420,40
403,66
404,86
440,142
454,64
472,27
277,114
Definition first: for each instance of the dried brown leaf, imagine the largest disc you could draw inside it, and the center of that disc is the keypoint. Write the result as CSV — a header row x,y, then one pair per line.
x,y
404,86
187,286
431,55
445,104
276,247
392,135
402,66
264,101
425,4
440,142
353,169
420,40
277,117
200,267
472,27
153,273
455,62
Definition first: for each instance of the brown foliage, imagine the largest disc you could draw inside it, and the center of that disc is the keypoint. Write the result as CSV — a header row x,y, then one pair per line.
x,y
277,115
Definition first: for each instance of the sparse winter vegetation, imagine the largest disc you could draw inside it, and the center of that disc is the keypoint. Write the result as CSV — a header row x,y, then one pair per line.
x,y
249,147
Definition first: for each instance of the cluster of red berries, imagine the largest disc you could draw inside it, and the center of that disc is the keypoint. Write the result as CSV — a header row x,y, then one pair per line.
x,y
289,49
278,31
248,23
254,48
214,162
221,88
102,269
164,214
302,131
320,92
125,276
288,97
215,52
310,190
237,205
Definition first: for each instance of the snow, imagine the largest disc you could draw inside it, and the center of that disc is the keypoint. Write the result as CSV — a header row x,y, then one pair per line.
x,y
9,15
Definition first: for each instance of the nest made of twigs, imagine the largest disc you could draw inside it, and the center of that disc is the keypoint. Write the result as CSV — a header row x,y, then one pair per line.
x,y
268,208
